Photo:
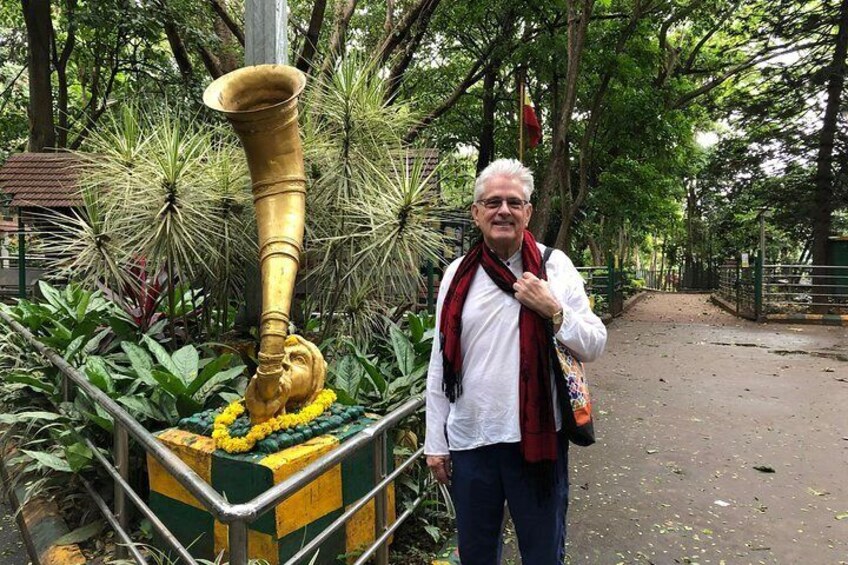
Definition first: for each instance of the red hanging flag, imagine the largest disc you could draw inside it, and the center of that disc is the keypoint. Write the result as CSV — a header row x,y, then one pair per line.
x,y
532,129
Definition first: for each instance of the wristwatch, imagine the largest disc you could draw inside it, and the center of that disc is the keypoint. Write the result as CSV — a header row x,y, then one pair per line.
x,y
557,318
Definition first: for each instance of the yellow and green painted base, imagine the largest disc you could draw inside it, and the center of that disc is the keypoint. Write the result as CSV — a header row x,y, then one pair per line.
x,y
280,533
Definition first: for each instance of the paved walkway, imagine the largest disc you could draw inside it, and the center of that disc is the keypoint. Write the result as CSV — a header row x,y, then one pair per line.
x,y
719,441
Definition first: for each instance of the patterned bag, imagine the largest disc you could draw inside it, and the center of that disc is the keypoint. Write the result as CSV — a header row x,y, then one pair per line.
x,y
572,388
577,412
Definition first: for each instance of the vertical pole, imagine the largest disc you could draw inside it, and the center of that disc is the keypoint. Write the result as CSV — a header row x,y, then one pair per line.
x,y
611,283
21,255
763,235
237,537
738,283
758,287
381,501
265,23
431,303
520,89
122,464
265,40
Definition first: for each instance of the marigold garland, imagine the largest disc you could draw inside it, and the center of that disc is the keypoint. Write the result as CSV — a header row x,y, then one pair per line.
x,y
258,432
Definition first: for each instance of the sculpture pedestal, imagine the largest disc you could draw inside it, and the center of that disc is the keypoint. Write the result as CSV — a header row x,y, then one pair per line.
x,y
281,532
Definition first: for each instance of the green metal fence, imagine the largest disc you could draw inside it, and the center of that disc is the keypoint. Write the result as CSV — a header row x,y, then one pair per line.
x,y
759,291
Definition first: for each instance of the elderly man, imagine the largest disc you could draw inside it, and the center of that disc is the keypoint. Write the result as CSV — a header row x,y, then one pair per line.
x,y
493,412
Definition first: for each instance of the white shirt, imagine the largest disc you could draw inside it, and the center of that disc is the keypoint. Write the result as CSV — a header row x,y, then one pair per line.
x,y
487,411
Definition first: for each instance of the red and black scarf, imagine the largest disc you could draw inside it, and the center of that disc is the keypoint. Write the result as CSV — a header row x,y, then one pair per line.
x,y
536,412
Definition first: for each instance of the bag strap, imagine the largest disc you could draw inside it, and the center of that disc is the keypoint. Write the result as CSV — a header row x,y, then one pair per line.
x,y
545,256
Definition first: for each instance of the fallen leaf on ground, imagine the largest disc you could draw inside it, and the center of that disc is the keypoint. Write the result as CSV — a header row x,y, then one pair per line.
x,y
764,469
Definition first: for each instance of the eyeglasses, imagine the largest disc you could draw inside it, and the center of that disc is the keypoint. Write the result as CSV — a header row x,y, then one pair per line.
x,y
496,202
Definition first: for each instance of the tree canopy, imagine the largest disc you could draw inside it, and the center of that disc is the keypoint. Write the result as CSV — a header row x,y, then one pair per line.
x,y
625,90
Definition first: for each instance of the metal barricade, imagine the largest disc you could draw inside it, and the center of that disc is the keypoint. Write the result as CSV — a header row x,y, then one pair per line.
x,y
793,289
236,516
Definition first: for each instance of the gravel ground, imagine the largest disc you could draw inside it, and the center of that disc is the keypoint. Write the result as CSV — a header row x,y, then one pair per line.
x,y
12,549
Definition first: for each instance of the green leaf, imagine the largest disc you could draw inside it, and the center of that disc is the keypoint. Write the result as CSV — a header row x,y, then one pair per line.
x,y
186,406
169,383
78,455
404,352
347,376
140,406
82,306
140,361
161,355
49,460
98,373
375,377
416,327
200,389
51,295
60,334
73,348
80,535
29,416
94,342
345,398
102,418
186,360
31,381
434,532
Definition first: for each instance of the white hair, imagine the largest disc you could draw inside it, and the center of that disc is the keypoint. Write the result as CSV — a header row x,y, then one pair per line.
x,y
512,168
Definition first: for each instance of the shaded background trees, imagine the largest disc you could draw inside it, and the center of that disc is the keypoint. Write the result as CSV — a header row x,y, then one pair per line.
x,y
622,87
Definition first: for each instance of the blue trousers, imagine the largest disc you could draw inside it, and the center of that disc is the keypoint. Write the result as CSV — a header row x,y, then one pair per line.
x,y
482,479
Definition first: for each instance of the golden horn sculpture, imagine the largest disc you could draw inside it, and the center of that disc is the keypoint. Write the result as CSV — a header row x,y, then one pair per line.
x,y
260,103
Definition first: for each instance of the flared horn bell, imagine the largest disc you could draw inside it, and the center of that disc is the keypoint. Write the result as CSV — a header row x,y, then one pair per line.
x,y
260,103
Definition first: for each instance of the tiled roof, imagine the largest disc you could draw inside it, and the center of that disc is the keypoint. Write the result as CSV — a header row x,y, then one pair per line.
x,y
429,161
41,180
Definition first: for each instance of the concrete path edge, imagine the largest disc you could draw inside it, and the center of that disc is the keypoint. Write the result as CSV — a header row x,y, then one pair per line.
x,y
41,524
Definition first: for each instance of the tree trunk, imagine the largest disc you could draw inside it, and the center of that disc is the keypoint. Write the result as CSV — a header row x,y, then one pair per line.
x,y
487,131
227,20
570,201
179,50
42,133
60,63
313,34
344,12
557,176
823,210
689,259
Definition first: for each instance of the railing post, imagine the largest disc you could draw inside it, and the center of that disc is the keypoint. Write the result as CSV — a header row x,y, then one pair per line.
x,y
758,287
738,284
122,465
237,537
431,302
381,506
611,283
21,255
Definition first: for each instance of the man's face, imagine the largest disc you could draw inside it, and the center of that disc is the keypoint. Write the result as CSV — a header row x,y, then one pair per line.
x,y
502,215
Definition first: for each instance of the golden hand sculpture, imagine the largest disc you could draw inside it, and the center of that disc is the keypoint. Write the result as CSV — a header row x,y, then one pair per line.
x,y
302,378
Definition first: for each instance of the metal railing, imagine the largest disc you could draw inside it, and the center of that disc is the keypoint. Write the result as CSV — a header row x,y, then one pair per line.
x,y
606,286
236,516
757,291
805,288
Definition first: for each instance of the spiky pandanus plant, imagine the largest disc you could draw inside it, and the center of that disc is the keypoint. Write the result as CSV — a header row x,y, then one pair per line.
x,y
161,192
371,211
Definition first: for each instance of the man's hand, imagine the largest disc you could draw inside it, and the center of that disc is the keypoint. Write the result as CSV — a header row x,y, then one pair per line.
x,y
535,293
440,466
